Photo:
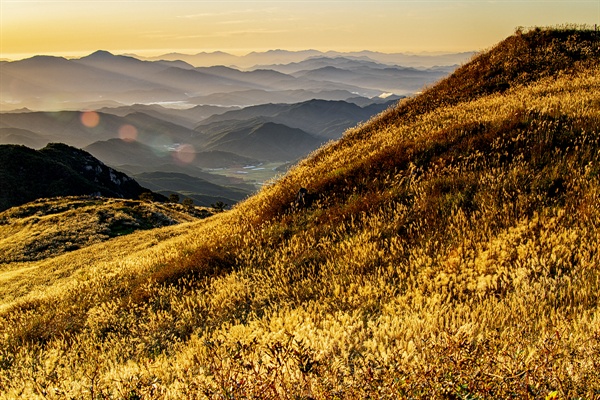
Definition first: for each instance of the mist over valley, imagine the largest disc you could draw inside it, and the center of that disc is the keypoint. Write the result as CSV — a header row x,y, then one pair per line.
x,y
232,121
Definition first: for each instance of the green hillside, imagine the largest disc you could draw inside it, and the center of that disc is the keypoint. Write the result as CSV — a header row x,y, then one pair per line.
x,y
451,251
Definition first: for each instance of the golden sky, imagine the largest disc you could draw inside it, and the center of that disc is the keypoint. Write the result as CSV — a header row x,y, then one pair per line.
x,y
153,27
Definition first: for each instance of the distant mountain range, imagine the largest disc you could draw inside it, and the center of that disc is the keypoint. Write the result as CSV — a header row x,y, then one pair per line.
x,y
156,138
166,177
275,128
196,125
69,127
280,57
324,119
59,170
187,117
102,79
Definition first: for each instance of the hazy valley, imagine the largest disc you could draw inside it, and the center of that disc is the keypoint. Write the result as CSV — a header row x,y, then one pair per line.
x,y
217,125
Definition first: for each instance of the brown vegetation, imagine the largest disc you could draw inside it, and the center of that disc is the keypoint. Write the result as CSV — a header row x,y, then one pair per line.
x,y
452,253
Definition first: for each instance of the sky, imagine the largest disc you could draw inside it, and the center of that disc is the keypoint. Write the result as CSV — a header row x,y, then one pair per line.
x,y
153,27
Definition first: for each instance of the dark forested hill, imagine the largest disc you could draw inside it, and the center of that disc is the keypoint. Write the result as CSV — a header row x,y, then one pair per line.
x,y
58,170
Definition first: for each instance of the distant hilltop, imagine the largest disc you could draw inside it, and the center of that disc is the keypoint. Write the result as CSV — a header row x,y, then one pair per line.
x,y
204,59
59,170
279,56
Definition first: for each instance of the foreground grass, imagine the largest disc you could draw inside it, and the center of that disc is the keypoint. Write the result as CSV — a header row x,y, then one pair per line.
x,y
453,253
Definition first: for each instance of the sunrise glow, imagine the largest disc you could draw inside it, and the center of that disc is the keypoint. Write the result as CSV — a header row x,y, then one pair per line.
x,y
77,28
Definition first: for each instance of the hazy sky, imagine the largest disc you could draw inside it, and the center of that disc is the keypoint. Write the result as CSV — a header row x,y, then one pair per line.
x,y
152,27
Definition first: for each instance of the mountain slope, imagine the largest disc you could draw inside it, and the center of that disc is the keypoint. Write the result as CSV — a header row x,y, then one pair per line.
x,y
265,141
58,170
327,119
71,127
450,251
35,231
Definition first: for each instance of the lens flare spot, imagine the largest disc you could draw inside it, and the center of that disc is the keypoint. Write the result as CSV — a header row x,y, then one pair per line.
x,y
91,119
128,133
185,153
161,145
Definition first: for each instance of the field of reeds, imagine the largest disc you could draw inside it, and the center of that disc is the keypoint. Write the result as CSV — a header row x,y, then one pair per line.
x,y
451,251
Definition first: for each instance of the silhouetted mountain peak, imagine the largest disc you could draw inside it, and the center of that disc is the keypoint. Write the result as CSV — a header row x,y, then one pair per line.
x,y
100,54
41,61
44,58
104,58
216,53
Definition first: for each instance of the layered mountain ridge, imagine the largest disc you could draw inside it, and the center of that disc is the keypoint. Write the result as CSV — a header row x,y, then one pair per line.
x,y
171,108
48,83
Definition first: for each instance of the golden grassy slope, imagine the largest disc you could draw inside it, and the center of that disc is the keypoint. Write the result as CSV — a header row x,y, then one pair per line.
x,y
63,229
48,227
453,254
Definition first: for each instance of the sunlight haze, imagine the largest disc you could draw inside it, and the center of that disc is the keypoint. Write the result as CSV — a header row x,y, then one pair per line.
x,y
77,28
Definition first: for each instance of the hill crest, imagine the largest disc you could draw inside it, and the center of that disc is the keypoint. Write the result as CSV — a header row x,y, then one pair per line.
x,y
49,228
58,170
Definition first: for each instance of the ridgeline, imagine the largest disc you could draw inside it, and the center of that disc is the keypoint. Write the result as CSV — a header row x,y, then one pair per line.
x,y
59,170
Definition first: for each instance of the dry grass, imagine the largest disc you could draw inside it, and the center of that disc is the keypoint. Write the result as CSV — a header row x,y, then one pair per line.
x,y
453,253
36,230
